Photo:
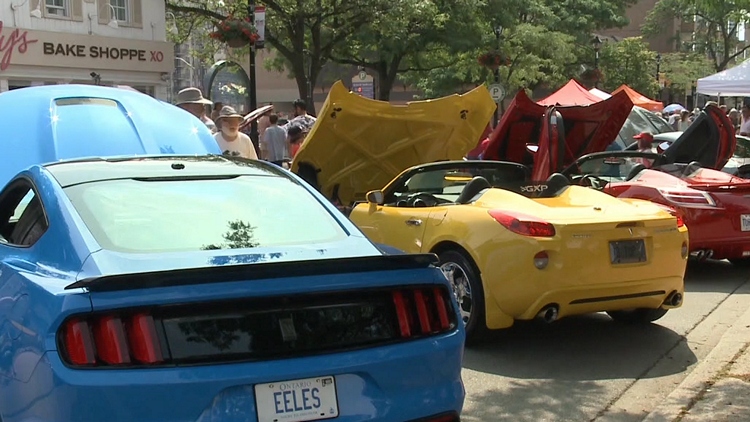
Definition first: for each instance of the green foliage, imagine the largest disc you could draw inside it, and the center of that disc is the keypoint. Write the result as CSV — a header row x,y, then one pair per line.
x,y
413,36
715,31
240,235
537,56
629,62
683,69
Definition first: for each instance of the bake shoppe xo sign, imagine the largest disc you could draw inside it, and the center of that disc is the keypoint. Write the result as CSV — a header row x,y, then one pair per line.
x,y
103,52
39,48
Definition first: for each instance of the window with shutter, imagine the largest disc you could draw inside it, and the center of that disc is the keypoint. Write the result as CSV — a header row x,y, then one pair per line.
x,y
136,17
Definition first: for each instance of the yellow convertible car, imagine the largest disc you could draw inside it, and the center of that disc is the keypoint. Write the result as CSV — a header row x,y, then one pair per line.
x,y
516,250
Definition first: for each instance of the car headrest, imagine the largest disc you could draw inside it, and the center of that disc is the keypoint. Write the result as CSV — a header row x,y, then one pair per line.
x,y
556,184
472,189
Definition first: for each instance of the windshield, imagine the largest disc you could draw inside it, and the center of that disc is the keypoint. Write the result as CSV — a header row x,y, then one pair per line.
x,y
612,169
149,216
445,184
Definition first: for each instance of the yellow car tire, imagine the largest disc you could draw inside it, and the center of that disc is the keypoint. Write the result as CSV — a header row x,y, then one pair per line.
x,y
464,278
637,316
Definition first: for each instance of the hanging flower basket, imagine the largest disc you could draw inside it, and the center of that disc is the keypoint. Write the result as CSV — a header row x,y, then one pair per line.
x,y
235,32
592,75
494,60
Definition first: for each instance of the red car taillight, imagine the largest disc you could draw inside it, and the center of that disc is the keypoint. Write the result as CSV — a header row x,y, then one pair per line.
x,y
680,220
688,197
110,340
422,311
523,224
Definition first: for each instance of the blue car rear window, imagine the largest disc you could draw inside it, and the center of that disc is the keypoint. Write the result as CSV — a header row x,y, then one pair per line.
x,y
147,216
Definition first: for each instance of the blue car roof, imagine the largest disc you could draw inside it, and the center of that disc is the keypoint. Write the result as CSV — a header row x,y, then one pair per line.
x,y
59,122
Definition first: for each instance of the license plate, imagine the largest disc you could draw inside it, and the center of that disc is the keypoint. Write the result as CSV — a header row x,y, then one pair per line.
x,y
308,399
745,222
627,251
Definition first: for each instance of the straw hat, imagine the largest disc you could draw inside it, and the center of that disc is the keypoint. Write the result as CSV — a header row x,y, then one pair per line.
x,y
227,112
191,96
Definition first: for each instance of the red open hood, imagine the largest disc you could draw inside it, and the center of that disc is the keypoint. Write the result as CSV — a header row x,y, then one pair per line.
x,y
586,129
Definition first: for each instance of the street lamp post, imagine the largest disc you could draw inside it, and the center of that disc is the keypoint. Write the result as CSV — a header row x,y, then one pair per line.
x,y
658,65
498,34
252,93
597,44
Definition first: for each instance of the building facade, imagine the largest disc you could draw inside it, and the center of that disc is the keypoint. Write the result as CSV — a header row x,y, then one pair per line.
x,y
106,42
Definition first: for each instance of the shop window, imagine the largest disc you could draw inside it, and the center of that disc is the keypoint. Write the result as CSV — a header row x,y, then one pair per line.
x,y
126,12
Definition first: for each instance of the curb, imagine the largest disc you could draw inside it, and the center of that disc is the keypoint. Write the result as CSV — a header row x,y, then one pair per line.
x,y
718,361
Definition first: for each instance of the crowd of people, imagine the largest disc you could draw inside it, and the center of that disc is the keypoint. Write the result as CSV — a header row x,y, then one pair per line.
x,y
279,138
680,120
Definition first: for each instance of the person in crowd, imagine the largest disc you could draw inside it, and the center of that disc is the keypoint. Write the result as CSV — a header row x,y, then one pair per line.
x,y
295,136
264,122
645,141
301,118
684,121
724,109
734,117
273,145
191,99
674,120
215,113
231,141
745,125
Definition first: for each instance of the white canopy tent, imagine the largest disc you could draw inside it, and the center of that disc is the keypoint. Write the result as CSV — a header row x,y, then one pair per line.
x,y
734,82
599,93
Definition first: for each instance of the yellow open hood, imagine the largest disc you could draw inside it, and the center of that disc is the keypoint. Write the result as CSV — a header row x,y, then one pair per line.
x,y
359,144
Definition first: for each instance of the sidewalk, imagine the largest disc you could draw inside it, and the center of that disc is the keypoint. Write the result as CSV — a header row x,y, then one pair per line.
x,y
718,389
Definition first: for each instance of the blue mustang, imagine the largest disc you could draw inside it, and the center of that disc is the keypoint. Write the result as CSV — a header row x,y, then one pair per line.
x,y
157,281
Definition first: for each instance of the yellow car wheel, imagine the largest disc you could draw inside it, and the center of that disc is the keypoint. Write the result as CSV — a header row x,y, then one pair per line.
x,y
637,316
467,288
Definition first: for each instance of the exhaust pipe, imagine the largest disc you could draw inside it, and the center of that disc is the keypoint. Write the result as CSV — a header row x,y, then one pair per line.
x,y
548,314
674,299
702,254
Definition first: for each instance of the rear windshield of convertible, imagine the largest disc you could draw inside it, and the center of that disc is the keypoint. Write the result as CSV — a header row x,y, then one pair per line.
x,y
149,216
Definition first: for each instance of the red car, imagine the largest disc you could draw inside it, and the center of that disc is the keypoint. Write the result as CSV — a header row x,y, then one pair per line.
x,y
548,139
684,177
714,205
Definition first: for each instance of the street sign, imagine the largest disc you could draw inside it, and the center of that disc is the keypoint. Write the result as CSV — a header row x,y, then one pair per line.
x,y
365,89
497,92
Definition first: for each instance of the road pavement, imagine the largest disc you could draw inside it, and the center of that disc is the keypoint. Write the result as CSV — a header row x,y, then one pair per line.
x,y
591,369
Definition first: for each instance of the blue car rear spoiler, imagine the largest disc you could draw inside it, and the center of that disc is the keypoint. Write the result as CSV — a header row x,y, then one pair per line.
x,y
219,274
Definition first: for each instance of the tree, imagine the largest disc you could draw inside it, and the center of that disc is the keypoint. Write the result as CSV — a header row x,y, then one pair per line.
x,y
545,39
629,62
684,68
303,32
415,35
715,29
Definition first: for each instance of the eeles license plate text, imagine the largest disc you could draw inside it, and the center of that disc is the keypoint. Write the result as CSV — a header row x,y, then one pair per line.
x,y
627,251
300,400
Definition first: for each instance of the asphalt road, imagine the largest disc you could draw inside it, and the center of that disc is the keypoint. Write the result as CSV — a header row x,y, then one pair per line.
x,y
591,369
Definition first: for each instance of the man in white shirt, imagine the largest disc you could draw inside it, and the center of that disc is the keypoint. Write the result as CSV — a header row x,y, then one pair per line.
x,y
231,141
745,126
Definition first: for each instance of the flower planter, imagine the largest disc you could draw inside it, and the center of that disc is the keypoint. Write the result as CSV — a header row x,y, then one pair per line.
x,y
237,42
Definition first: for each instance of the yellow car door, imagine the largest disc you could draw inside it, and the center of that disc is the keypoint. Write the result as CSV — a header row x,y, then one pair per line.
x,y
399,227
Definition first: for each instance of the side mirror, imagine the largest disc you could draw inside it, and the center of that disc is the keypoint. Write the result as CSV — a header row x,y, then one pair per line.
x,y
375,197
532,148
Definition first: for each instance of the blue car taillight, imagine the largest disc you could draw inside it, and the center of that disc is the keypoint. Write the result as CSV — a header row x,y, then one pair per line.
x,y
111,340
422,311
258,328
